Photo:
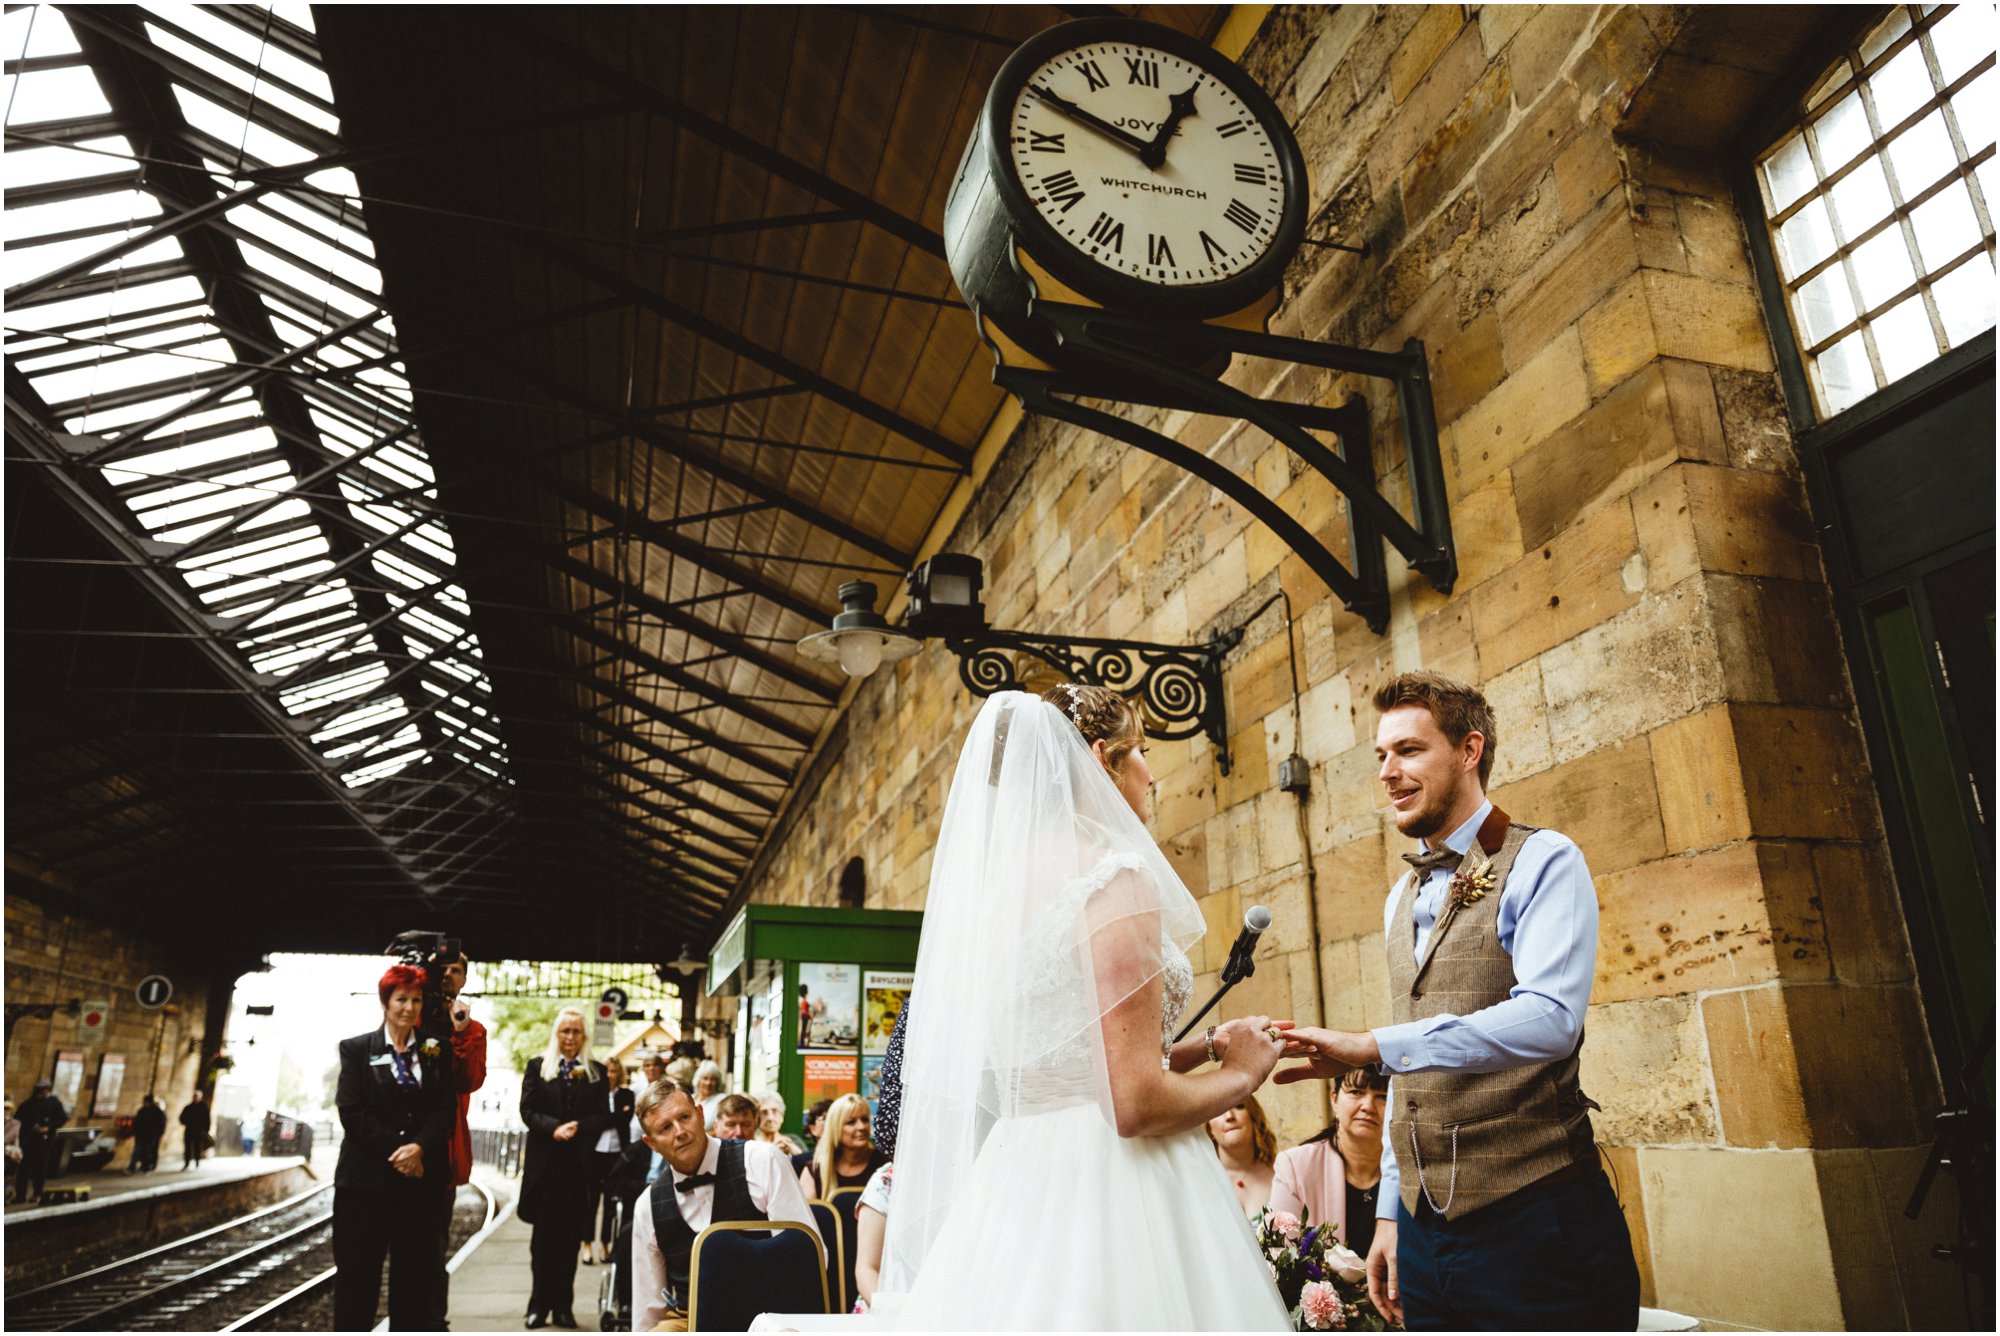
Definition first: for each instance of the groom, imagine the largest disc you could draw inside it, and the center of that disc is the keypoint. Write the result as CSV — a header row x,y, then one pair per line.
x,y
1494,1213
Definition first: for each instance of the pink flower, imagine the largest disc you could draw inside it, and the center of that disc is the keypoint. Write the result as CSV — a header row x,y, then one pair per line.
x,y
1346,1263
1286,1224
1321,1307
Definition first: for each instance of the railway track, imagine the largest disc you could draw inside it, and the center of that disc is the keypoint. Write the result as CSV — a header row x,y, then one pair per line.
x,y
241,1275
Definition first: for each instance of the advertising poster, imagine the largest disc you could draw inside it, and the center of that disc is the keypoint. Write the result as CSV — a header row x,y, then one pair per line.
x,y
887,992
828,1076
871,1078
68,1078
110,1080
829,1010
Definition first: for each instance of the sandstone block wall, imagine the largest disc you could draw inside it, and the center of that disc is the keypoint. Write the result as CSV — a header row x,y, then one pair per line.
x,y
53,957
1641,597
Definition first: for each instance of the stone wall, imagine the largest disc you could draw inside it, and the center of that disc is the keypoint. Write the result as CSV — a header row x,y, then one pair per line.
x,y
54,956
1641,596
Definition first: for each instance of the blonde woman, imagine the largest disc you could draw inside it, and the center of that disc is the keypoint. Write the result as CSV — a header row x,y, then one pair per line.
x,y
846,1155
565,1101
1248,1151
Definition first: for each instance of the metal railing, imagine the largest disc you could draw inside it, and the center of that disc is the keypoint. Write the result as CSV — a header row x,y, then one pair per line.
x,y
500,1147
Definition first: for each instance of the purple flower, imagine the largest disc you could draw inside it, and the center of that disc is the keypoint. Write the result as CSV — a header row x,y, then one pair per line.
x,y
1307,1241
1313,1272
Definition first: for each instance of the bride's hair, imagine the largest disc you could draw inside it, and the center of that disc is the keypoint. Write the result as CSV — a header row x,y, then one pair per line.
x,y
1101,715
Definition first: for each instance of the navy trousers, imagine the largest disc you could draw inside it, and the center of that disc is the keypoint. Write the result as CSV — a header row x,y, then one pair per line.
x,y
1550,1258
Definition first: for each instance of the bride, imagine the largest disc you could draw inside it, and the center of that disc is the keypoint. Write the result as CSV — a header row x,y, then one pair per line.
x,y
1051,1171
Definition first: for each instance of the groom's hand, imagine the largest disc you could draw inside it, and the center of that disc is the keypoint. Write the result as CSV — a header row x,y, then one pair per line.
x,y
1382,1272
1258,1026
1328,1053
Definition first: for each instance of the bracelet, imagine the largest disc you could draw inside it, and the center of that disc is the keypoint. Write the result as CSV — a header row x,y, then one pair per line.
x,y
1211,1045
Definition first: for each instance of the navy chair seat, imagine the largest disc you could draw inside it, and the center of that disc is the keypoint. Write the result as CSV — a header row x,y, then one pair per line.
x,y
744,1268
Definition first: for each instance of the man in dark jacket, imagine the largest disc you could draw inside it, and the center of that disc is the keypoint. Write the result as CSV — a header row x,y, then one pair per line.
x,y
149,1124
40,1117
194,1131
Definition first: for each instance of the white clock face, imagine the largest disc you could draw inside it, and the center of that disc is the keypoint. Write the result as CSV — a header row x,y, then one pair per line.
x,y
1199,205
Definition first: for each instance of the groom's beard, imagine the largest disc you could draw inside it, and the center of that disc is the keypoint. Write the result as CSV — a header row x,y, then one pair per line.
x,y
1428,819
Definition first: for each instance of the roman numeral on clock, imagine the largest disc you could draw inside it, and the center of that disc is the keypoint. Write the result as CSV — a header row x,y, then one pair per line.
x,y
1094,76
1251,175
1139,70
1107,233
1242,215
1158,253
1041,143
1229,129
1211,249
1063,190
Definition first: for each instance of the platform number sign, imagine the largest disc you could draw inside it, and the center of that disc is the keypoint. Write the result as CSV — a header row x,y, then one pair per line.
x,y
154,990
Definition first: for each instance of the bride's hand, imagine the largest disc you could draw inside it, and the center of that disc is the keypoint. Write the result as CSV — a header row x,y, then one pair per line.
x,y
1258,1026
1254,1052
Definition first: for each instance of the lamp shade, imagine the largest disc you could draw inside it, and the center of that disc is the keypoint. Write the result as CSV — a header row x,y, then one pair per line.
x,y
861,640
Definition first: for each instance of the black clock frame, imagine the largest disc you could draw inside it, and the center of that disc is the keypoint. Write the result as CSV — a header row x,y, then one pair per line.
x,y
1057,254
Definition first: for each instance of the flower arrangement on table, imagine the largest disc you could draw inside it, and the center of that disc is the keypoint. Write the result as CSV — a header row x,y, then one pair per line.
x,y
1323,1283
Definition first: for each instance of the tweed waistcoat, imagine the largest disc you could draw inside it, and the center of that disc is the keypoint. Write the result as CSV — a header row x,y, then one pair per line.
x,y
1469,1139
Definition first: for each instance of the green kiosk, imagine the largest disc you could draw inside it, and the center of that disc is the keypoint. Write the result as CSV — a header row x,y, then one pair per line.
x,y
818,992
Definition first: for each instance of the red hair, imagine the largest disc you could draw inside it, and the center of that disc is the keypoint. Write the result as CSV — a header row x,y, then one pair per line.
x,y
399,976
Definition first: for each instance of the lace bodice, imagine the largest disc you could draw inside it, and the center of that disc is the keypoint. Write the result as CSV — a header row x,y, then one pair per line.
x,y
1176,991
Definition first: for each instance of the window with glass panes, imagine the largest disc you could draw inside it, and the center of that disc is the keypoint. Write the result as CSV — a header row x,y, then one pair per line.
x,y
1880,202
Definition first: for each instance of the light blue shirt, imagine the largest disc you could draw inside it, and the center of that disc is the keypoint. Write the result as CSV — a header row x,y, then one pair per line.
x,y
1548,924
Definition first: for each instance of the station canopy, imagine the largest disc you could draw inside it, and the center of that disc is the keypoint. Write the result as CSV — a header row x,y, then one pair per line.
x,y
431,428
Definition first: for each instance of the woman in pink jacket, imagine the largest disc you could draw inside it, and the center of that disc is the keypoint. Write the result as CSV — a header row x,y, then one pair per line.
x,y
1334,1176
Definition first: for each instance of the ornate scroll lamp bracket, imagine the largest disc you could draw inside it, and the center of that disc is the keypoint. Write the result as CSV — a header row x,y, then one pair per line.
x,y
1178,686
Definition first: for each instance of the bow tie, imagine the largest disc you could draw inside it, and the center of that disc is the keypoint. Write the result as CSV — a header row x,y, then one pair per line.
x,y
1431,859
693,1181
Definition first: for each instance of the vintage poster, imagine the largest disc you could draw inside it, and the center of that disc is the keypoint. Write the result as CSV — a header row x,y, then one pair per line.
x,y
887,992
827,1077
110,1081
68,1079
829,1010
871,1078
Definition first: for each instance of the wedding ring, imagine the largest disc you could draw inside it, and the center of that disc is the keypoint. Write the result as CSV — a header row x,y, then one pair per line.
x,y
1273,1032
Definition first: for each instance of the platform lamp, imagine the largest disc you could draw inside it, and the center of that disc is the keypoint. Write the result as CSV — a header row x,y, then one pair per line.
x,y
1179,687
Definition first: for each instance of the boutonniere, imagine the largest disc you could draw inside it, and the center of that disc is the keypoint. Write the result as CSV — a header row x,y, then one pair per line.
x,y
428,1049
580,1072
1471,882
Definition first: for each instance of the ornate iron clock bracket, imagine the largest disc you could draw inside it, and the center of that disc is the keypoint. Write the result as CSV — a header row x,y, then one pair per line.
x,y
1180,686
1125,366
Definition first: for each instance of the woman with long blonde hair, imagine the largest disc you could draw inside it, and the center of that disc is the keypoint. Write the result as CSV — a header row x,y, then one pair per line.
x,y
846,1155
565,1101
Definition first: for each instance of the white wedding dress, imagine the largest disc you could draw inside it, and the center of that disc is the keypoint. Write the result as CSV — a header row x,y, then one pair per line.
x,y
1018,1206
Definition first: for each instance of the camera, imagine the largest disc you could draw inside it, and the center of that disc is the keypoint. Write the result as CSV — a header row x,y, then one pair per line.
x,y
428,951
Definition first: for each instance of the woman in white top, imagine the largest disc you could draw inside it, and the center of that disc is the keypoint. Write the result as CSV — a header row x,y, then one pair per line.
x,y
1051,1171
708,1091
611,1144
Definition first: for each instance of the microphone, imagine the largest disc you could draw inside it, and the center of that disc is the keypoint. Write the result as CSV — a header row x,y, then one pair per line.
x,y
1241,962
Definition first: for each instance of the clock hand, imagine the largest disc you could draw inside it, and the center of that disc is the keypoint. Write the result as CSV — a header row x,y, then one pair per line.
x,y
1179,108
1078,114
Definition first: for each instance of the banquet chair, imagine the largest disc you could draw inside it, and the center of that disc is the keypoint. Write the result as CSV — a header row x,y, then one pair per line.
x,y
743,1268
838,1269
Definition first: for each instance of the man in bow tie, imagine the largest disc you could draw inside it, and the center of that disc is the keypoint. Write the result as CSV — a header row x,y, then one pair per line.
x,y
704,1179
1494,1212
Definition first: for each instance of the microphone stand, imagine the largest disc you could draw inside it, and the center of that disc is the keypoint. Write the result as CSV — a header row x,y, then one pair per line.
x,y
1240,966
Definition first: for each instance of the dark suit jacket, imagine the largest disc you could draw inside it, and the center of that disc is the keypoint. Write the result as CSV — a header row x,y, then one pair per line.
x,y
555,1175
377,1115
627,1180
623,1101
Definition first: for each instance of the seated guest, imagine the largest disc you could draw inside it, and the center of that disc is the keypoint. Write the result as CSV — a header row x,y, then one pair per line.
x,y
846,1156
771,1121
706,1180
1246,1146
1334,1176
681,1072
871,1227
708,1090
651,1067
736,1118
815,1129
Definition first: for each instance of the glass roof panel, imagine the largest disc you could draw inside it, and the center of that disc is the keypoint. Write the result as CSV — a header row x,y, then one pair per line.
x,y
301,552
